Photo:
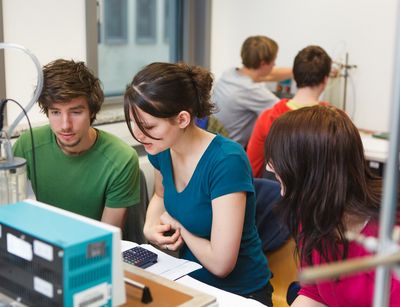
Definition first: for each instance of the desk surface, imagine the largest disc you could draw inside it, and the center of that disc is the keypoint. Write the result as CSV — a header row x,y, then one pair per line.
x,y
164,292
374,149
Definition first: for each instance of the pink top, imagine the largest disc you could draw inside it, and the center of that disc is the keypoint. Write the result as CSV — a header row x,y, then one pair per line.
x,y
353,290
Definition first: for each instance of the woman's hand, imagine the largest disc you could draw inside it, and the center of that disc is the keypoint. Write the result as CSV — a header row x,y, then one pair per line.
x,y
155,234
154,229
168,219
174,228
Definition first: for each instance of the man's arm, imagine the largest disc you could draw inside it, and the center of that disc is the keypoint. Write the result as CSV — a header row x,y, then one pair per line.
x,y
278,74
153,228
124,189
114,216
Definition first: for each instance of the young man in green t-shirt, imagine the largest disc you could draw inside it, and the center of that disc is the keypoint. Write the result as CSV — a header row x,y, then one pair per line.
x,y
71,164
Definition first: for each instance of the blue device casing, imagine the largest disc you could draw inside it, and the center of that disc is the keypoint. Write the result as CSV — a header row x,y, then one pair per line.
x,y
52,259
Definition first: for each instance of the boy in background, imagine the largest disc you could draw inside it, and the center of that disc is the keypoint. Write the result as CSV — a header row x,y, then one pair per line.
x,y
311,69
241,93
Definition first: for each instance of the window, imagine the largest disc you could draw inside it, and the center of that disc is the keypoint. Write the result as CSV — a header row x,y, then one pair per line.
x,y
146,22
125,35
131,36
115,22
166,22
2,67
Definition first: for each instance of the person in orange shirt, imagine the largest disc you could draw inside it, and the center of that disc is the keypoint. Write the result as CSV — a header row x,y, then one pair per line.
x,y
311,69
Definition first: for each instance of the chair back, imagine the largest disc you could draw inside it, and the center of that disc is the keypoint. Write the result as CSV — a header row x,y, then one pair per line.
x,y
136,215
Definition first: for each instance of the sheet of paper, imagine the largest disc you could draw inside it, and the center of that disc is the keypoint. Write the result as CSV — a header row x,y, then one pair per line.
x,y
167,266
375,149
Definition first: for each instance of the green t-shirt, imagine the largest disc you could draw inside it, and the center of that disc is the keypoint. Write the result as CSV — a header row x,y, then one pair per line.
x,y
107,174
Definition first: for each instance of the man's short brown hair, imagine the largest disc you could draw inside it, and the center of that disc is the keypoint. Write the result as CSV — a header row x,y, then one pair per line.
x,y
256,49
311,66
64,80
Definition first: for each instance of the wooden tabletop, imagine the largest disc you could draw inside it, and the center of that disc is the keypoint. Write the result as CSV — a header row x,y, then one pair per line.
x,y
164,292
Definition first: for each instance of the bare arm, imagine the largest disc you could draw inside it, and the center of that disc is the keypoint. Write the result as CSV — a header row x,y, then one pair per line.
x,y
279,74
304,301
219,255
114,216
153,228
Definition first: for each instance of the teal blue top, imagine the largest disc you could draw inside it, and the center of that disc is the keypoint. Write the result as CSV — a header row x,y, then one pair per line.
x,y
223,169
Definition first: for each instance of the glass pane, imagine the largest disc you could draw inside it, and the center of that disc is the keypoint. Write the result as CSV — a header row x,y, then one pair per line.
x,y
146,21
132,34
115,22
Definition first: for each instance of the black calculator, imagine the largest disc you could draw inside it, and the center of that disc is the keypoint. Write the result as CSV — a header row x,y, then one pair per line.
x,y
139,256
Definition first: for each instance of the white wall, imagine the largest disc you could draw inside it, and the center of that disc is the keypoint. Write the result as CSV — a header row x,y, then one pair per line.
x,y
54,29
363,28
50,30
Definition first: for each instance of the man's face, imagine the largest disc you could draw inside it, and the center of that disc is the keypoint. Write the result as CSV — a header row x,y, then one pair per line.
x,y
70,122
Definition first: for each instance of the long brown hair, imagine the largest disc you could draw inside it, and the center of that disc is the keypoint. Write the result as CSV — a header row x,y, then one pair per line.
x,y
318,155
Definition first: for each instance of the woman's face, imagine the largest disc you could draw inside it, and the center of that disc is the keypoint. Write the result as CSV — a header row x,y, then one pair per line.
x,y
161,128
269,168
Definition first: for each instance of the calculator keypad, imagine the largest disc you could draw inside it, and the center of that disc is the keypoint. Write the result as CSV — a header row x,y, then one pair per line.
x,y
139,256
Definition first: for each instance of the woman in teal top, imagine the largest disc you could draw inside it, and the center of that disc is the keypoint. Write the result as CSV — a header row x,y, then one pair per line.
x,y
203,183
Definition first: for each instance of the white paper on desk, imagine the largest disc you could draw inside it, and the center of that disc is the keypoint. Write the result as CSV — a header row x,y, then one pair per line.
x,y
374,148
167,266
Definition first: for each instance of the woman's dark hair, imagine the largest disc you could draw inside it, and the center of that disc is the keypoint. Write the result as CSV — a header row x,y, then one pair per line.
x,y
318,155
165,89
